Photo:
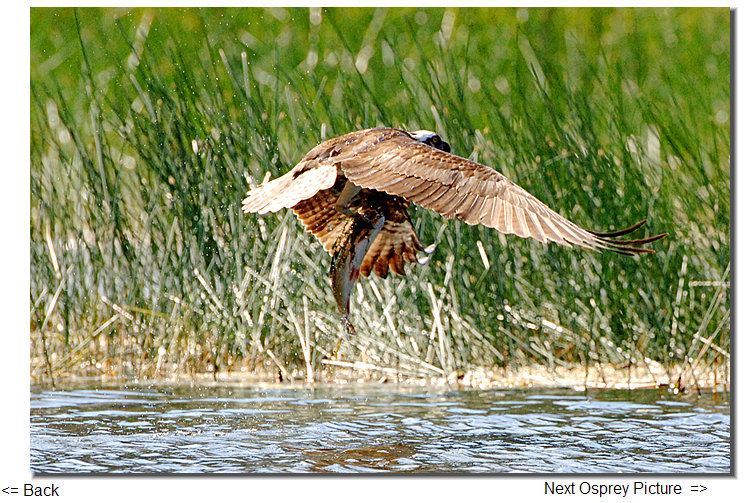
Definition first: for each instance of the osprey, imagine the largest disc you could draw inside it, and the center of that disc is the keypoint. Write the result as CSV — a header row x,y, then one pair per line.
x,y
352,193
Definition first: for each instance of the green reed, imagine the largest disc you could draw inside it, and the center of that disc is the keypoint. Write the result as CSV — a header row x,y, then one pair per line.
x,y
148,127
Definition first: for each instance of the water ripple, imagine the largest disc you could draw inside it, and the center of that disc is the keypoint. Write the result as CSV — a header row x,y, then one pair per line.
x,y
375,429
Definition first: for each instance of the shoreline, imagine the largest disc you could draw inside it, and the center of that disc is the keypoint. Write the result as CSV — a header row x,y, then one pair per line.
x,y
651,375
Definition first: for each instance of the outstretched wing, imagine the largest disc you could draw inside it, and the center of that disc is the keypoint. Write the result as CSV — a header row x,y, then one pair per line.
x,y
459,188
396,243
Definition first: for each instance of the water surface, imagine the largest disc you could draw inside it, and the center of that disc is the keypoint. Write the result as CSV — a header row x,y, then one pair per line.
x,y
376,428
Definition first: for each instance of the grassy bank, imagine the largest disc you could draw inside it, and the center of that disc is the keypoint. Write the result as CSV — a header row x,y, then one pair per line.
x,y
148,126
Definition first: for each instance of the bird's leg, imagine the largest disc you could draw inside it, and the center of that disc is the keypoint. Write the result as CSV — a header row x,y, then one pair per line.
x,y
369,215
349,191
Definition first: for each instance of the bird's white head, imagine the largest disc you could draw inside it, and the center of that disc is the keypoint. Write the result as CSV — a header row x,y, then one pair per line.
x,y
431,138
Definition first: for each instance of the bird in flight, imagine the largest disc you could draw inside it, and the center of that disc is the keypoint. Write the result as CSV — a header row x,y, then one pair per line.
x,y
352,193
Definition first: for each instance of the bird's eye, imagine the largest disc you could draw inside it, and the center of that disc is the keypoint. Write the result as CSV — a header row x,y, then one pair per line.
x,y
435,140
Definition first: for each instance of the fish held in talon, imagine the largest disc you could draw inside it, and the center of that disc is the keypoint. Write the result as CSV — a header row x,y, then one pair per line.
x,y
348,253
352,193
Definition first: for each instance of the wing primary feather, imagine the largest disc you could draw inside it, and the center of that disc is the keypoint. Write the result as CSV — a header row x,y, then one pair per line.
x,y
521,227
508,220
622,232
534,227
551,231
